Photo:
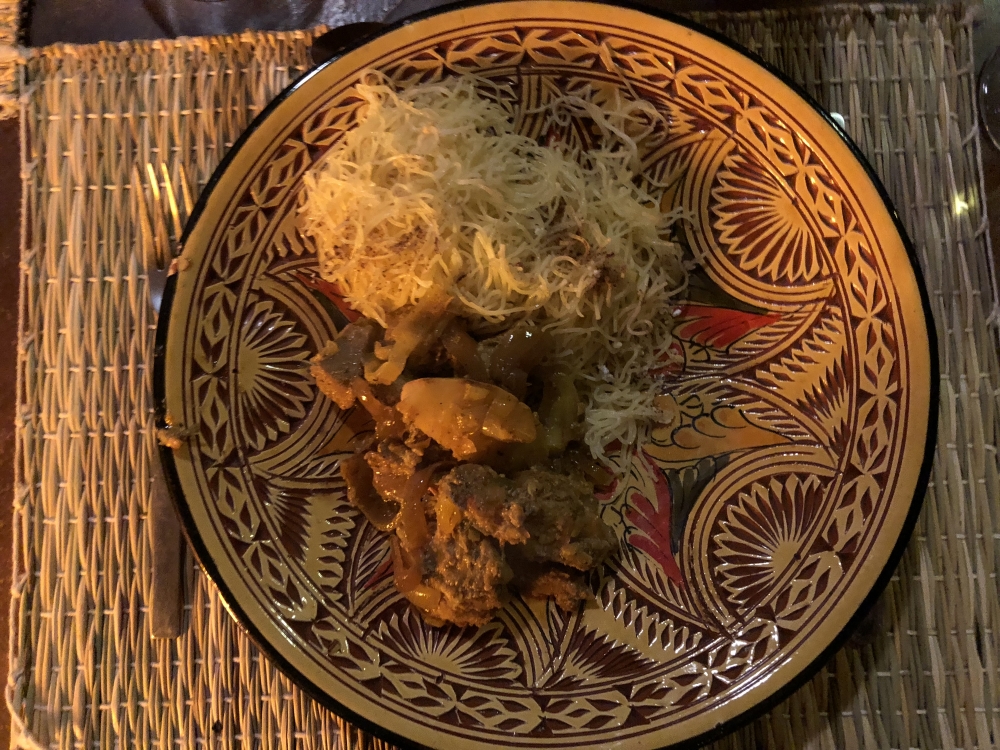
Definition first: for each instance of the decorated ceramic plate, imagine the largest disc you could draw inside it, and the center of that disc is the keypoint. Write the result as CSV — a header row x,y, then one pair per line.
x,y
754,525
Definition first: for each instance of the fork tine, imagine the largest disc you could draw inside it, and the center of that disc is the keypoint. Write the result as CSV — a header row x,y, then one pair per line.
x,y
168,188
185,192
145,229
167,553
153,184
162,240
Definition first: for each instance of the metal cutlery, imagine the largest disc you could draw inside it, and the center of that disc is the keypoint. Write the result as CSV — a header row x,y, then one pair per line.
x,y
160,246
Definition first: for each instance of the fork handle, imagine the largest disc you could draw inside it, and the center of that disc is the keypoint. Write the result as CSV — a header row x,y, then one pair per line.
x,y
167,595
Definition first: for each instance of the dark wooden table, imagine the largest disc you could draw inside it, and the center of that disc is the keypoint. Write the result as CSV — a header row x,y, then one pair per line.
x,y
88,21
10,233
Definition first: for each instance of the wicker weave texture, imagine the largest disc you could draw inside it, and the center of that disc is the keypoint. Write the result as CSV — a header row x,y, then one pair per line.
x,y
10,56
84,671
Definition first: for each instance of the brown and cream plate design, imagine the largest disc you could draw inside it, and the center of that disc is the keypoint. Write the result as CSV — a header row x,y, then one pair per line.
x,y
753,525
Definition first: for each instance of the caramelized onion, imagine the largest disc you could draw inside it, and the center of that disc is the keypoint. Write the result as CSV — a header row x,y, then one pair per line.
x,y
518,352
412,524
559,412
596,473
466,417
448,516
405,568
387,421
417,326
508,420
358,476
463,353
423,597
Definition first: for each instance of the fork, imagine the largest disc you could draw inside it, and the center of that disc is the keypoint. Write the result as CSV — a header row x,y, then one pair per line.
x,y
159,250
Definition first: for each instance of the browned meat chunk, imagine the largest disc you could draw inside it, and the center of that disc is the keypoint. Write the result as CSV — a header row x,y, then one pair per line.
x,y
484,498
563,520
468,570
343,360
392,465
463,536
390,394
555,516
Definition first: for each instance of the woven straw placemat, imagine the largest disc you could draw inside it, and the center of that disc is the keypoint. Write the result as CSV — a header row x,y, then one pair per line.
x,y
10,56
84,670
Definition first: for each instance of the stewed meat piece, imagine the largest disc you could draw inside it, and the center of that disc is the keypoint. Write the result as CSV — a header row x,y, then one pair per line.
x,y
555,517
486,500
463,534
563,519
342,361
468,570
489,531
567,587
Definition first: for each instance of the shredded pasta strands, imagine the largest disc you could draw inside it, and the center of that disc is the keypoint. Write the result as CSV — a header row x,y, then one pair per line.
x,y
434,187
